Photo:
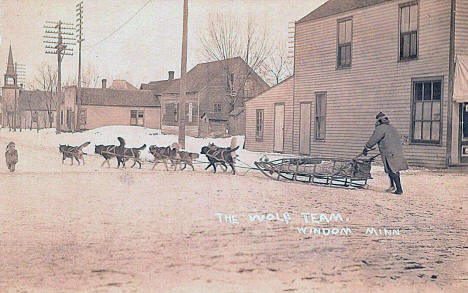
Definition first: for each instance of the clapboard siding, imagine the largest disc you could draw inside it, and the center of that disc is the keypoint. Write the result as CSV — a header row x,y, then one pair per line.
x,y
282,93
461,27
377,80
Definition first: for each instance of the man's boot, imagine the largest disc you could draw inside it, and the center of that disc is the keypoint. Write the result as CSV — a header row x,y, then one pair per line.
x,y
392,185
396,178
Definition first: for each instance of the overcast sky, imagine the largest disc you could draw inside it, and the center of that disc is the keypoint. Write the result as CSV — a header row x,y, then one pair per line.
x,y
142,50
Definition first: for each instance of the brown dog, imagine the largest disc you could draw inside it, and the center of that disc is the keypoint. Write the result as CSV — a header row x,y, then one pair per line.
x,y
73,152
164,154
11,156
187,158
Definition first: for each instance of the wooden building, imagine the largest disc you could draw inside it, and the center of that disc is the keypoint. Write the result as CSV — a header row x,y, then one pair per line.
x,y
356,58
269,119
215,101
106,106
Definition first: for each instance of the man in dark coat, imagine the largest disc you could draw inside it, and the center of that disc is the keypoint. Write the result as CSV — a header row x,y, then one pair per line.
x,y
388,139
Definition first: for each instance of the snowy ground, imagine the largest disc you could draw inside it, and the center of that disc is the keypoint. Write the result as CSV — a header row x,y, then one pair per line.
x,y
90,229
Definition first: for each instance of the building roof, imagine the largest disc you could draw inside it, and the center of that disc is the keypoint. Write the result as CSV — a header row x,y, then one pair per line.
x,y
35,101
215,116
113,97
120,84
196,77
157,86
202,72
332,7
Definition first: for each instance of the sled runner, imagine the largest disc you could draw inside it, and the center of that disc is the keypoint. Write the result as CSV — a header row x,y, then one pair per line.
x,y
324,171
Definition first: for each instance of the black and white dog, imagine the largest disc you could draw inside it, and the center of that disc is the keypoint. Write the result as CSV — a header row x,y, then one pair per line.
x,y
216,154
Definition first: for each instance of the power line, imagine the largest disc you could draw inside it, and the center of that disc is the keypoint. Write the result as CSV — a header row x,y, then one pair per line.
x,y
121,26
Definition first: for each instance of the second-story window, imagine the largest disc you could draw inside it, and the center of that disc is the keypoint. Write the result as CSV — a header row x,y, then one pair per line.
x,y
217,107
345,32
409,31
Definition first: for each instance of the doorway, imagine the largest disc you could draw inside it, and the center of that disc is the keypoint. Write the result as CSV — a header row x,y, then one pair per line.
x,y
463,138
279,128
304,128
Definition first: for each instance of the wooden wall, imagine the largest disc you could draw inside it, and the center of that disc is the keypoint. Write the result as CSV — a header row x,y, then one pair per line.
x,y
281,93
377,80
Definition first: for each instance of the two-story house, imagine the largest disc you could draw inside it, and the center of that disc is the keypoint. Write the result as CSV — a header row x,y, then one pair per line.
x,y
407,58
215,100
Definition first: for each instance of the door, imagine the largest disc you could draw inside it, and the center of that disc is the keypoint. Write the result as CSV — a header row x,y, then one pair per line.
x,y
279,128
463,141
304,129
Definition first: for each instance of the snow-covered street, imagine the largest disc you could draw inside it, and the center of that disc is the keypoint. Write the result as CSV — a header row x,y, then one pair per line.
x,y
90,229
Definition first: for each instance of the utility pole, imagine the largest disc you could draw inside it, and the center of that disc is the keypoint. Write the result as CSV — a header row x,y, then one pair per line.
x,y
183,79
79,39
56,34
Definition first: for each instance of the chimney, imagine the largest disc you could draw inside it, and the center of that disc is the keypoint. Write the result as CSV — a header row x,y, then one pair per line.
x,y
171,75
104,83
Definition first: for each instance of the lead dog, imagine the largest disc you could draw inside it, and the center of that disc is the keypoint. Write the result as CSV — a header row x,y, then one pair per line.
x,y
73,152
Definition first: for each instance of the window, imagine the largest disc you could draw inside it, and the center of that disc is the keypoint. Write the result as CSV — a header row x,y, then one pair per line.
x,y
170,112
217,107
320,115
345,33
61,117
83,116
259,125
141,118
248,89
230,82
409,31
190,112
426,113
133,117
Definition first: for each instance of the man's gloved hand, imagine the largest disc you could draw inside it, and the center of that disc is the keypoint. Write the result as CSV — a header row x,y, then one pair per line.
x,y
364,151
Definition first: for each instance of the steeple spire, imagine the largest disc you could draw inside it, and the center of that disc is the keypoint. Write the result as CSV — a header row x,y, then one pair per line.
x,y
10,67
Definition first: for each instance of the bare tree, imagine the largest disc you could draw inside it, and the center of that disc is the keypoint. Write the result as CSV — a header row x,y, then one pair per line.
x,y
225,39
46,80
278,66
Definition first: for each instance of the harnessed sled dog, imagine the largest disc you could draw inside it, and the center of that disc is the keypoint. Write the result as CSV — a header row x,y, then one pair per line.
x,y
73,152
107,151
123,154
187,158
216,154
164,154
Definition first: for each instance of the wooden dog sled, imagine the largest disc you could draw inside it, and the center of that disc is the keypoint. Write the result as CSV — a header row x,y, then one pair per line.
x,y
353,173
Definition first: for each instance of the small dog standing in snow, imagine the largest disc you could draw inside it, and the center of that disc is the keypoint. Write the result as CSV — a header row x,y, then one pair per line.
x,y
11,156
73,152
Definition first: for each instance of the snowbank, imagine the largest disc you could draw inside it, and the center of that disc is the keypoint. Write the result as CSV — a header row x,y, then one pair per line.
x,y
136,136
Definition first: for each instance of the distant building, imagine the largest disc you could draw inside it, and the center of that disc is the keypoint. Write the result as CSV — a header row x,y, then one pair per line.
x,y
23,108
106,106
10,93
216,96
120,84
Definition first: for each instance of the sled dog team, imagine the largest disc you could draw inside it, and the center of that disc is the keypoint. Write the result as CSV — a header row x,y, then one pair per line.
x,y
215,155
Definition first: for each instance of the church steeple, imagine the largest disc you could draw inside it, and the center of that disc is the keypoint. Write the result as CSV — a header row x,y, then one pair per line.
x,y
10,74
10,67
